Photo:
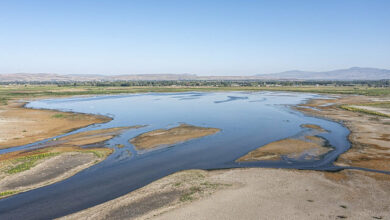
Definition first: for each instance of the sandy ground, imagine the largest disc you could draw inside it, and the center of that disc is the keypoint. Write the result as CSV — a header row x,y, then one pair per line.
x,y
292,148
90,137
370,134
313,126
302,148
48,171
170,136
20,126
254,193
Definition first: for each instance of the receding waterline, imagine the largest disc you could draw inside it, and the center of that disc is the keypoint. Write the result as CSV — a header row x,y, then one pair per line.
x,y
247,120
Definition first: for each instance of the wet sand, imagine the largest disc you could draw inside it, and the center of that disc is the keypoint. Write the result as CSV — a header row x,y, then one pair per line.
x,y
313,126
170,136
20,126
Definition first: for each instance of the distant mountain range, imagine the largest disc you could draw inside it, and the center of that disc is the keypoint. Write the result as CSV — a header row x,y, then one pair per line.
x,y
354,73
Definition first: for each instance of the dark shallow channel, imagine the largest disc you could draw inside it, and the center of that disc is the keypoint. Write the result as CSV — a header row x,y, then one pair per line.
x,y
247,121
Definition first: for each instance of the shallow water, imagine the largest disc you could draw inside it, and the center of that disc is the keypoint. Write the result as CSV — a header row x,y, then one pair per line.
x,y
246,120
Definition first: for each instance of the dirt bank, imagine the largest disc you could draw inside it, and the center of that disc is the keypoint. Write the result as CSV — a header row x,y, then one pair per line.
x,y
54,161
20,126
170,136
251,194
369,133
32,169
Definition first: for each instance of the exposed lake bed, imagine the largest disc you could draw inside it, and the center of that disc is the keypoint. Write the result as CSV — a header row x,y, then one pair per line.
x,y
246,121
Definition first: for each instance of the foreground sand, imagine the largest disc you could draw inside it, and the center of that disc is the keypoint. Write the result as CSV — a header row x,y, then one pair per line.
x,y
20,126
170,136
254,193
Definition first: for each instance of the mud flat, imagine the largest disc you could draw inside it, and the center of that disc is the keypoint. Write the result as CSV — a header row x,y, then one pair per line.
x,y
53,161
20,126
370,133
313,126
170,136
292,148
250,193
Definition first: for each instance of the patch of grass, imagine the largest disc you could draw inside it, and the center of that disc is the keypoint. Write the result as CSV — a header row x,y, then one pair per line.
x,y
354,109
27,162
58,115
210,185
188,196
3,101
7,193
98,153
378,104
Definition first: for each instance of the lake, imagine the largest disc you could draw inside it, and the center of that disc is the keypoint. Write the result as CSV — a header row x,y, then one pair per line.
x,y
247,121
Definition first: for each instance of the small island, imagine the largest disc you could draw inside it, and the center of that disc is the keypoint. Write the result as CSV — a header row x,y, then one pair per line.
x,y
293,148
160,137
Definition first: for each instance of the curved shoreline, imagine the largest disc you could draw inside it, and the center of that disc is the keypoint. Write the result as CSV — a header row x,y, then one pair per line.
x,y
29,125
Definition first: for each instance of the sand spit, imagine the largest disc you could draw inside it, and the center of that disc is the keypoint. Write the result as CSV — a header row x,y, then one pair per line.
x,y
33,169
170,136
54,161
370,134
90,137
20,126
251,194
292,148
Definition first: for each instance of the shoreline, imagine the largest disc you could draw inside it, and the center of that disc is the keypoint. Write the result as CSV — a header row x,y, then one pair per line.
x,y
341,173
30,125
365,131
194,209
58,160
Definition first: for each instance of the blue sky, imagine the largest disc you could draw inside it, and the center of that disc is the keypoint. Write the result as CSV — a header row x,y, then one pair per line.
x,y
204,37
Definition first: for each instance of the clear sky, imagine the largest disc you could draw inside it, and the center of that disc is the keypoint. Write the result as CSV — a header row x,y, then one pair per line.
x,y
204,37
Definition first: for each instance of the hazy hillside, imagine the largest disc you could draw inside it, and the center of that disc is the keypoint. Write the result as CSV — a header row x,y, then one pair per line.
x,y
355,73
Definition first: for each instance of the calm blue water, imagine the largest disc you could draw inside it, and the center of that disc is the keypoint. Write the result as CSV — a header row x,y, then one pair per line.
x,y
247,121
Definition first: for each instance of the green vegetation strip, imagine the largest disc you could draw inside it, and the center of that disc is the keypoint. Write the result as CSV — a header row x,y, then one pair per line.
x,y
27,162
377,104
30,91
97,153
354,109
7,193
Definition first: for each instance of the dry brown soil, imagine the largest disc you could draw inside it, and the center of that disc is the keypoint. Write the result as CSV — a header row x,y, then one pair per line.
x,y
20,126
170,136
